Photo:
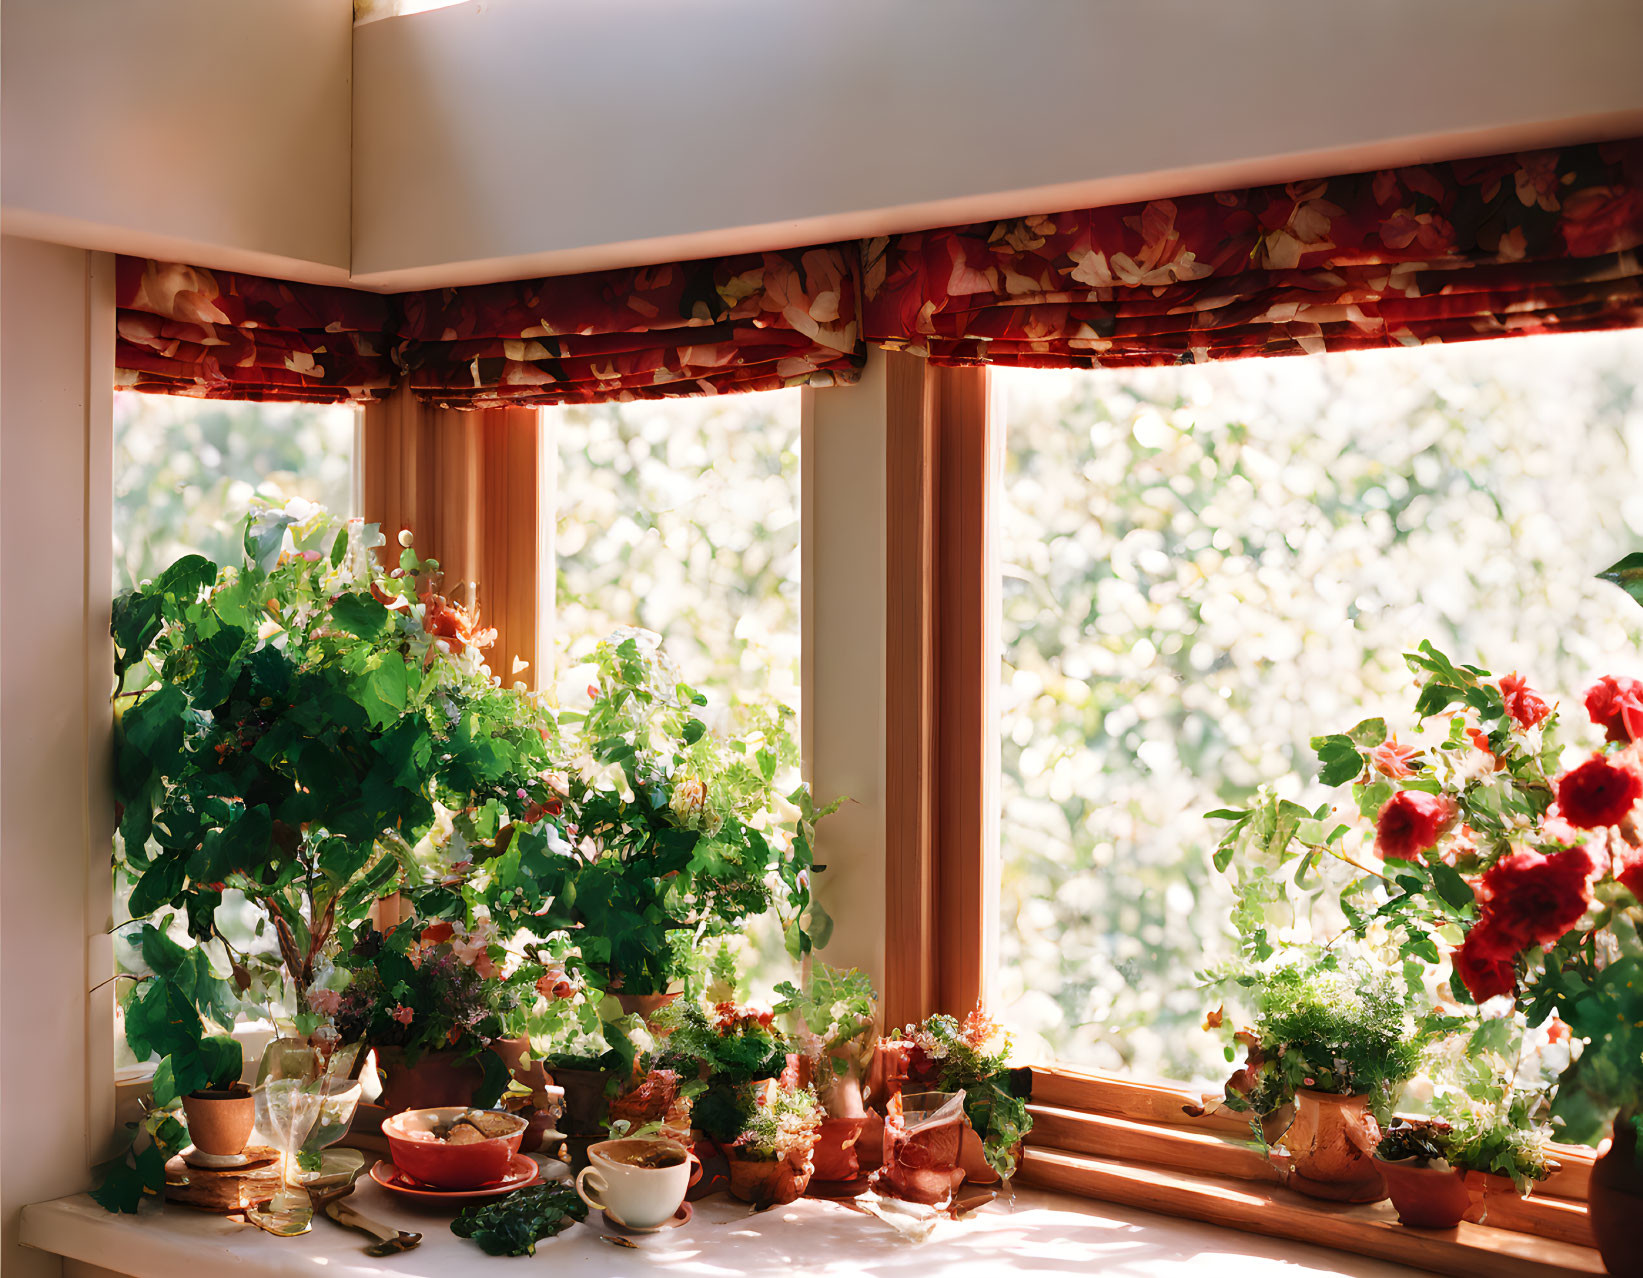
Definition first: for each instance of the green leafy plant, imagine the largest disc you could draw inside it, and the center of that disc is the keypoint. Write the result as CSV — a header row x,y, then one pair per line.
x,y
838,1010
513,1225
1324,1024
681,835
1504,1142
289,730
1424,1140
974,1055
721,1056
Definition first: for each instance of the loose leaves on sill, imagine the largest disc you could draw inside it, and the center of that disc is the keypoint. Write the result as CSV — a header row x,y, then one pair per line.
x,y
512,1226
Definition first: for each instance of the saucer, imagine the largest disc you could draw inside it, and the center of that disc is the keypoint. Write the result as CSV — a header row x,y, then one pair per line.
x,y
680,1217
522,1172
216,1162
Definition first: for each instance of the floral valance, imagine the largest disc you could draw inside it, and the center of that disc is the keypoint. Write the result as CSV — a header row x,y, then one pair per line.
x,y
758,321
182,330
1535,242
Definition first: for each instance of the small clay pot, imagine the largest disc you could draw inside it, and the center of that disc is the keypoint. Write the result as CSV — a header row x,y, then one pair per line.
x,y
220,1119
1427,1196
1615,1202
768,1183
1331,1147
645,1005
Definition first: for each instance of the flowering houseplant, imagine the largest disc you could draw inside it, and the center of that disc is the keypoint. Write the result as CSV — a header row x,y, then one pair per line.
x,y
1500,869
680,833
288,729
770,1155
834,1016
973,1056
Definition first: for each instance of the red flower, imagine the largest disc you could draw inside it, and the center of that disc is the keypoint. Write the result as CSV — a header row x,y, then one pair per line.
x,y
1533,899
1630,875
1485,962
1616,706
1523,703
1409,823
1480,740
434,933
1392,760
1598,793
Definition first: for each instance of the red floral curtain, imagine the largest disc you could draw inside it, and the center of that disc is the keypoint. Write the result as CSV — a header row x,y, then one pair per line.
x,y
1538,242
182,330
758,321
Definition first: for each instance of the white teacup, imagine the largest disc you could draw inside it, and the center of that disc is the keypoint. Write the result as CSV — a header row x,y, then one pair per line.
x,y
630,1192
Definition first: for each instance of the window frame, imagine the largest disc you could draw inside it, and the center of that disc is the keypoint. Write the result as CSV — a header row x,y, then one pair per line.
x,y
945,448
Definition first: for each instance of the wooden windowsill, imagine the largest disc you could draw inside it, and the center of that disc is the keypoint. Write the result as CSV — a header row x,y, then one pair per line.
x,y
1161,1147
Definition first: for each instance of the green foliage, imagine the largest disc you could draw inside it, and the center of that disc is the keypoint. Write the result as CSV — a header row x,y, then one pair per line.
x,y
684,835
1506,1143
840,1009
514,1224
1343,1028
733,1045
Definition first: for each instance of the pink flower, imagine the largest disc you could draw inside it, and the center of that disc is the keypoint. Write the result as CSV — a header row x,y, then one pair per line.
x,y
1409,823
555,982
1630,874
474,950
325,1002
402,1014
1523,703
1392,760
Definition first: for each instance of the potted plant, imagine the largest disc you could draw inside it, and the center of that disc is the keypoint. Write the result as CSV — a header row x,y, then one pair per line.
x,y
972,1056
1428,1191
222,1113
834,1017
1512,869
680,832
431,1001
285,728
1501,1152
1332,1044
770,1156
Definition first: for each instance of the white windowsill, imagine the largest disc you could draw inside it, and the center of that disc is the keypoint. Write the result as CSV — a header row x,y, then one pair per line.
x,y
1044,1234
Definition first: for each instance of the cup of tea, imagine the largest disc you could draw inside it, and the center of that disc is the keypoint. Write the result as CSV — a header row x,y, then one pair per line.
x,y
639,1183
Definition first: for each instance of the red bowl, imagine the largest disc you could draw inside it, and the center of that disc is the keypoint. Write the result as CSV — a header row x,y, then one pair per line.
x,y
449,1166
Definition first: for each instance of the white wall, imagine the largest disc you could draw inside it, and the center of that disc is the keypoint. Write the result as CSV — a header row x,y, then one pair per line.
x,y
56,501
842,582
514,137
215,131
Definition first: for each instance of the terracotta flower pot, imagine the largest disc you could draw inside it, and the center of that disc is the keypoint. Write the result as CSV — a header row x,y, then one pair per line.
x,y
1482,1187
1331,1147
1615,1201
770,1182
528,1072
1426,1196
437,1080
220,1119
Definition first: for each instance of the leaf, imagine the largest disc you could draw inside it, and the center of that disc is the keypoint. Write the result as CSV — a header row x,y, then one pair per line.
x,y
1339,758
1451,886
162,881
1369,733
1626,573
361,615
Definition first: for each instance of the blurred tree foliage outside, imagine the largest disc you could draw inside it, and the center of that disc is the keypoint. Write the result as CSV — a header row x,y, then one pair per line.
x,y
1206,566
184,470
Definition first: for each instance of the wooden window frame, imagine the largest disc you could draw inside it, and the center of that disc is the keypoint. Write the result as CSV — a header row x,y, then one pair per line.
x,y
1159,1146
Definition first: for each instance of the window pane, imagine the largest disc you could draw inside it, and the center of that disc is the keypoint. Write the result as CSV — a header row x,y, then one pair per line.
x,y
682,516
184,470
1204,567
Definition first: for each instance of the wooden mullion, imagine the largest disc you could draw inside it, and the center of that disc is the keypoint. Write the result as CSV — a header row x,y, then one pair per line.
x,y
910,764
